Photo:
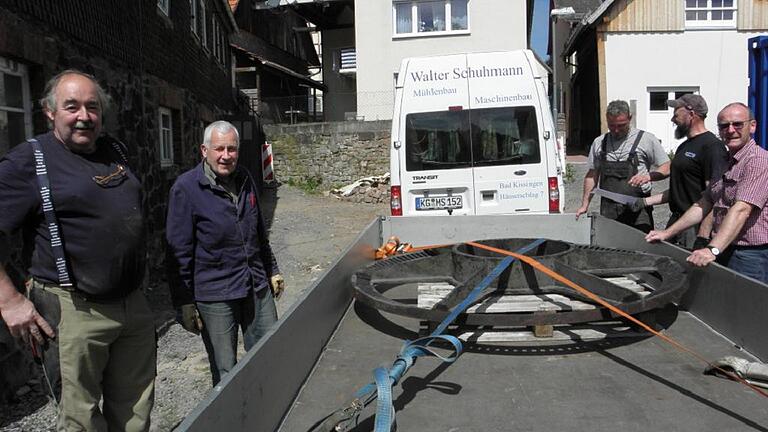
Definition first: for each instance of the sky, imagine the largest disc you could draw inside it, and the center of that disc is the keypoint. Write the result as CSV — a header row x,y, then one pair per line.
x,y
540,28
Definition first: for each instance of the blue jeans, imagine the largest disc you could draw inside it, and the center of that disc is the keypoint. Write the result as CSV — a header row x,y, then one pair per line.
x,y
254,314
750,261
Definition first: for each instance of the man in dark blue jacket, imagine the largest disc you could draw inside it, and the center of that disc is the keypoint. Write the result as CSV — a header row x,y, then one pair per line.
x,y
229,276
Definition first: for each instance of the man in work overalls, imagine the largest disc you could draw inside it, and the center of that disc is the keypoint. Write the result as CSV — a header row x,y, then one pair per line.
x,y
620,162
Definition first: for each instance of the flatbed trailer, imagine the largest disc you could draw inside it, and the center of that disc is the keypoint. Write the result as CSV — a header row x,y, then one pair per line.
x,y
325,348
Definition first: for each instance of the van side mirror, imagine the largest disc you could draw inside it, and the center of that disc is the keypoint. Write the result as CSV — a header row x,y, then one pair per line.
x,y
546,135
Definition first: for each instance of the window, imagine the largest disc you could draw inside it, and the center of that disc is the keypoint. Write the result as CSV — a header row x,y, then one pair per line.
x,y
480,137
223,47
15,119
430,17
345,60
165,6
193,21
203,25
504,136
219,38
438,140
658,99
166,137
710,13
215,35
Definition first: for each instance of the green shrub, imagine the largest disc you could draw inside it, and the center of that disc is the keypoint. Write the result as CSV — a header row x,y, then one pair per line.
x,y
310,185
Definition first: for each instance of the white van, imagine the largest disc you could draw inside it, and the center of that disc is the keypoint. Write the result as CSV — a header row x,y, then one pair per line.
x,y
473,134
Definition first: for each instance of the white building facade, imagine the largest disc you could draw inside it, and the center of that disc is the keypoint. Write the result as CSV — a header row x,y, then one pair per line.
x,y
648,52
711,63
388,31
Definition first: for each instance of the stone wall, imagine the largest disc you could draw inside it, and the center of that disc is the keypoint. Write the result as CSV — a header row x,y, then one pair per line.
x,y
329,154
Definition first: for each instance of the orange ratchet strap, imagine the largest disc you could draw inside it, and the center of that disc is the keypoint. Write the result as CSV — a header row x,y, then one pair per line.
x,y
549,272
393,247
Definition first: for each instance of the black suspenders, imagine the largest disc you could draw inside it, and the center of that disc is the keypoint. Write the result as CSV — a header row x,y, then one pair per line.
x,y
44,186
632,157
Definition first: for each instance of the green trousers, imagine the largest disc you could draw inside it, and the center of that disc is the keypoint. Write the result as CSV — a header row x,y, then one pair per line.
x,y
107,350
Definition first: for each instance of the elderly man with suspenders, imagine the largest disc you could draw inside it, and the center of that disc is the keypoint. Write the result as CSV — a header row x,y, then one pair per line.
x,y
79,205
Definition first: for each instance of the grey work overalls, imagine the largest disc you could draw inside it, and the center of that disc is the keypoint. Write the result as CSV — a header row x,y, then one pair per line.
x,y
614,177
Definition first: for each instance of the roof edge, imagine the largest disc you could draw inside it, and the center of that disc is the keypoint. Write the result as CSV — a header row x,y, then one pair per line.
x,y
230,15
585,23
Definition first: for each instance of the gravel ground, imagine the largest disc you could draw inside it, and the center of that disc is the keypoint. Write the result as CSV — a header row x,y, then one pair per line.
x,y
307,233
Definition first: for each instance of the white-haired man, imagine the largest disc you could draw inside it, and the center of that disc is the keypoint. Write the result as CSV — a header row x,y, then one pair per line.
x,y
228,273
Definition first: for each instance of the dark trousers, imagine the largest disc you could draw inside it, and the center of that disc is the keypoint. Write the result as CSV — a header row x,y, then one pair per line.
x,y
254,314
642,220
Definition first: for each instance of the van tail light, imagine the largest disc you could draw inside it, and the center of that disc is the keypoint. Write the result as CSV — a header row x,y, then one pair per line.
x,y
554,196
395,201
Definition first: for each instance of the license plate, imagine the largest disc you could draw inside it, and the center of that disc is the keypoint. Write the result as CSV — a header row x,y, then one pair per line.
x,y
438,203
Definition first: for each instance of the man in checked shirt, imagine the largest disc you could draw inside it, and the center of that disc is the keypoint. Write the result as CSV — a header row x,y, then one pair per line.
x,y
738,199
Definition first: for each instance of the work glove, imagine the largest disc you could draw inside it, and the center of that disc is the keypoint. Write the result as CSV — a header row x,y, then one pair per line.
x,y
189,318
637,205
277,283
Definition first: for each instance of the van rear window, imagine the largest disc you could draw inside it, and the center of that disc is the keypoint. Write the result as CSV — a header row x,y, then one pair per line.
x,y
505,136
437,140
479,137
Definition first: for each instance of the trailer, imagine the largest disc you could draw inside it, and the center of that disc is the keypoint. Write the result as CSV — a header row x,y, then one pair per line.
x,y
324,349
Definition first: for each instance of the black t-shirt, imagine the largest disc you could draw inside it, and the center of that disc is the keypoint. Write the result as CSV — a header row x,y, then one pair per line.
x,y
696,161
101,225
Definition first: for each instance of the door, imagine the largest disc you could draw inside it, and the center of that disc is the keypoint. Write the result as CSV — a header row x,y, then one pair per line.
x,y
438,164
434,127
660,115
251,143
510,164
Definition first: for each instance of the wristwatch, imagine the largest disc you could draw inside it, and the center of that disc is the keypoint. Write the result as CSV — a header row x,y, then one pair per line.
x,y
715,251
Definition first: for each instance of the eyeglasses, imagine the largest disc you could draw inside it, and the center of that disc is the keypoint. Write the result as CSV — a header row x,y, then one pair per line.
x,y
738,125
115,178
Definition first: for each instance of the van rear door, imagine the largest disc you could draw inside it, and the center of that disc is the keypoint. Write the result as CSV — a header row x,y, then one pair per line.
x,y
435,144
510,160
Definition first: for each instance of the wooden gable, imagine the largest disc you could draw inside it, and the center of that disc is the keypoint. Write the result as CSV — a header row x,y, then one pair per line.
x,y
644,16
669,16
752,15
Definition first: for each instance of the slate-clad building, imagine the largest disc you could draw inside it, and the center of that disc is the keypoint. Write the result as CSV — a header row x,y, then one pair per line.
x,y
167,66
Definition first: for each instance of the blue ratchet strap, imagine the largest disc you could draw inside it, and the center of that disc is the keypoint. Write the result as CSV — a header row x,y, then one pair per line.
x,y
44,186
384,380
